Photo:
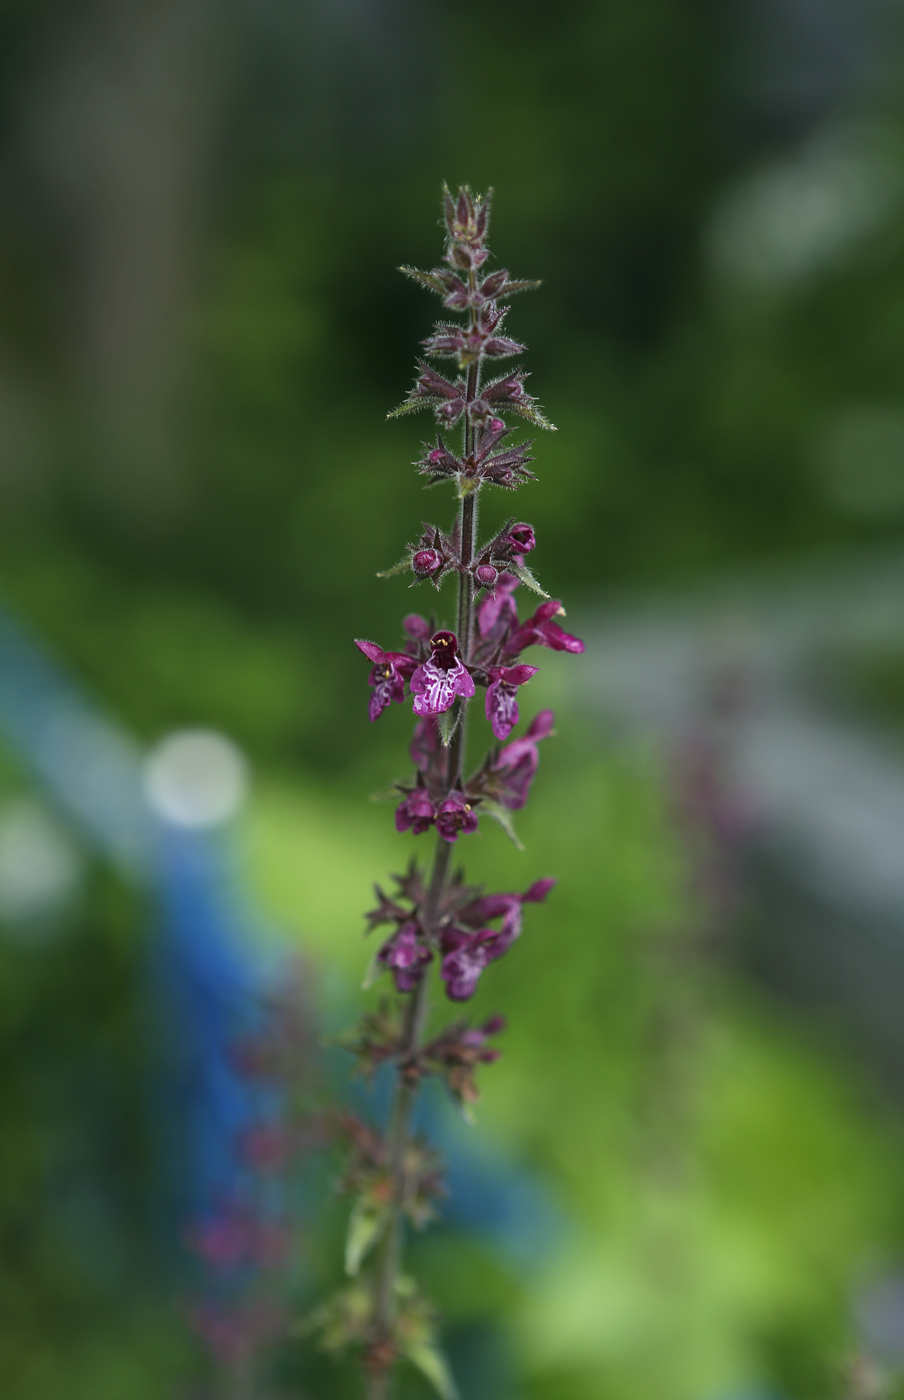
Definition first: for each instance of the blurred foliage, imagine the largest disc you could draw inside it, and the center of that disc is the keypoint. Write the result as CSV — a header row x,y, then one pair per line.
x,y
722,1177
694,398
194,524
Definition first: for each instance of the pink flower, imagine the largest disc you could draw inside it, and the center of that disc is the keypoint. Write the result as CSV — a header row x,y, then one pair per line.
x,y
517,763
454,815
502,697
438,682
539,630
390,672
415,812
406,957
497,612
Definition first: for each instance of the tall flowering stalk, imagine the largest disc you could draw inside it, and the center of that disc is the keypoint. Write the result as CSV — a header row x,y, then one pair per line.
x,y
436,920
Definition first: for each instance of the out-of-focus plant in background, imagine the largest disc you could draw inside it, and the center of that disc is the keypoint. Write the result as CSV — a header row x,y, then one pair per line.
x,y
203,207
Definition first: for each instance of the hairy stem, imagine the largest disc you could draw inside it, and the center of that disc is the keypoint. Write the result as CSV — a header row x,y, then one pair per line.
x,y
397,1139
380,1378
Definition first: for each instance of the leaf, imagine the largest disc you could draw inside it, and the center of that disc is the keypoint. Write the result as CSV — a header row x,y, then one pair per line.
x,y
365,1226
399,568
429,1360
411,406
426,279
374,972
447,725
388,794
533,415
526,577
511,289
502,815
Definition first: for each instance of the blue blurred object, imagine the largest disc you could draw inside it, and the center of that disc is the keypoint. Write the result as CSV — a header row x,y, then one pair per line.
x,y
207,978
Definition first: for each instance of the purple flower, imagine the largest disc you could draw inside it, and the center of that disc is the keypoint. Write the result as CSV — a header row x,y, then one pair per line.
x,y
496,613
415,812
406,957
486,575
436,684
455,815
390,672
508,908
540,630
518,761
521,538
502,697
465,957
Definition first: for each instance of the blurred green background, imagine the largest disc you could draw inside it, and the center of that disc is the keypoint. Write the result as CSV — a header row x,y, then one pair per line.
x,y
201,331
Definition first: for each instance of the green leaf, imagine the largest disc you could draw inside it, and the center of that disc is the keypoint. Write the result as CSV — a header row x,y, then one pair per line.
x,y
502,815
429,1360
533,415
426,279
374,972
399,568
365,1226
447,724
513,288
410,406
526,577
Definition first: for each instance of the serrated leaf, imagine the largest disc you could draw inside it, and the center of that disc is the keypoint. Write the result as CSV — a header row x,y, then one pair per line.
x,y
533,415
399,568
426,279
512,288
502,815
431,1363
527,578
365,1226
410,406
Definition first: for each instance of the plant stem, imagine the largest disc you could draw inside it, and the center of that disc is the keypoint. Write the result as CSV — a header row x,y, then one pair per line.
x,y
379,1379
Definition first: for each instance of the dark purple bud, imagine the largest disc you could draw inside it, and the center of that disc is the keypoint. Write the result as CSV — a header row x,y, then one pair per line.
x,y
426,562
450,412
486,575
522,538
416,626
492,284
494,1025
440,681
455,815
416,813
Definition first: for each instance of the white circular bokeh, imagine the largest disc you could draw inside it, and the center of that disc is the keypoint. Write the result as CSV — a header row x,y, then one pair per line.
x,y
40,870
196,778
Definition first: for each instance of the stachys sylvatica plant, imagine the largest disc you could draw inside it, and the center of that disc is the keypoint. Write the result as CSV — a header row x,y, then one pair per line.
x,y
439,927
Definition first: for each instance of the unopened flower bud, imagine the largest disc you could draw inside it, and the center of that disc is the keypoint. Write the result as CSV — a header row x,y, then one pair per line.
x,y
486,575
427,562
